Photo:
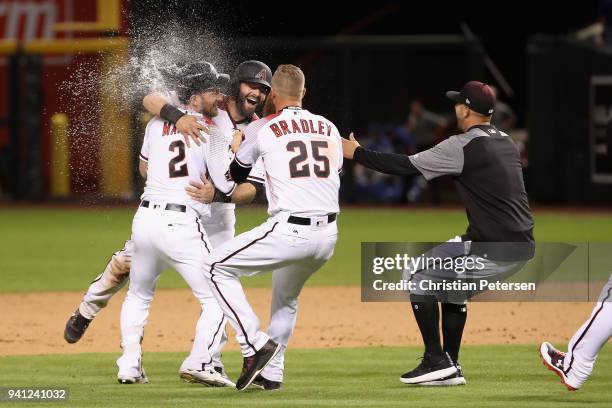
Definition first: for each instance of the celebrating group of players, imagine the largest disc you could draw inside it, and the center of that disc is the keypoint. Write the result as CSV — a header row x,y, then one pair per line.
x,y
177,226
292,158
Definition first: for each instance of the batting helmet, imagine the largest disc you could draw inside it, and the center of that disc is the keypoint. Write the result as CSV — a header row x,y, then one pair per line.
x,y
197,77
251,71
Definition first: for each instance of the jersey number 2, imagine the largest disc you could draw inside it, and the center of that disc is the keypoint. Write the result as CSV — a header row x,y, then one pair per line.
x,y
297,167
175,167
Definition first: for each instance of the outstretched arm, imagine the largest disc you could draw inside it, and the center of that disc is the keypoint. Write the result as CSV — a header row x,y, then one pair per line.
x,y
445,158
389,163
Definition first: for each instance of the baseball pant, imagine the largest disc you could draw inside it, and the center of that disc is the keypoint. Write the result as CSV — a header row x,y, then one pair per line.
x,y
162,239
220,227
292,252
114,277
589,339
467,268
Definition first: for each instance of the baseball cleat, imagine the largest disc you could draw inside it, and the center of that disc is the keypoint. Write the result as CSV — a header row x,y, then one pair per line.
x,y
432,368
125,379
553,359
261,382
252,365
75,327
454,379
209,377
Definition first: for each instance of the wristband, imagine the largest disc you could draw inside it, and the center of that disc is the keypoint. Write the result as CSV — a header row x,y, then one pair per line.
x,y
171,113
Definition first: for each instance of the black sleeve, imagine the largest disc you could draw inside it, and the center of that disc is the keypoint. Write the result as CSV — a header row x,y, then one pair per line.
x,y
221,197
389,163
238,172
171,113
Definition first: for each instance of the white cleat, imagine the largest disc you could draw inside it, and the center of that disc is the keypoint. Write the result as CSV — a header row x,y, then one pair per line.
x,y
208,377
126,379
454,379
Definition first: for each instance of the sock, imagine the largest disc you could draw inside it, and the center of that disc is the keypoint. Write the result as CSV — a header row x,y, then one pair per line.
x,y
453,322
427,315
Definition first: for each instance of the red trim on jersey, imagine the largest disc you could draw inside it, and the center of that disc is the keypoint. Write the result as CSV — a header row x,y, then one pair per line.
x,y
273,115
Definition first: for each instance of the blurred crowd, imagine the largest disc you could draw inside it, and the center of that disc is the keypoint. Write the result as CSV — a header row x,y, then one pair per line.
x,y
421,130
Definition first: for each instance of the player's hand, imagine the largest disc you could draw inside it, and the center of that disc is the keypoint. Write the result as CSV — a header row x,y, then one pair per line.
x,y
236,140
190,127
349,146
202,192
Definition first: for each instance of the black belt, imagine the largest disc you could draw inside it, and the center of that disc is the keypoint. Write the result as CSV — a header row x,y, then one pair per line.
x,y
169,206
307,221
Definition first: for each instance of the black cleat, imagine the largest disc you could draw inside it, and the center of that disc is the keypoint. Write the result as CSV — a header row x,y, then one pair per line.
x,y
265,384
432,368
75,327
252,366
553,359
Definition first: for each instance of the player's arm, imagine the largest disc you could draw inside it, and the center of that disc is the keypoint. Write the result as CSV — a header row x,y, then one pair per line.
x,y
188,125
244,193
143,166
247,154
446,158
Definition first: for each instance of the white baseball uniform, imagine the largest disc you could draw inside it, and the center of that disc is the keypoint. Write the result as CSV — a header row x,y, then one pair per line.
x,y
220,224
589,339
302,156
167,232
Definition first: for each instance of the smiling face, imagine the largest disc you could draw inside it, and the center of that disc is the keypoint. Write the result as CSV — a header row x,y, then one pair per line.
x,y
206,102
250,96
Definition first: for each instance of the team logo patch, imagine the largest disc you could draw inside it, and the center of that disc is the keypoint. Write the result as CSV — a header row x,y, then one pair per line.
x,y
261,75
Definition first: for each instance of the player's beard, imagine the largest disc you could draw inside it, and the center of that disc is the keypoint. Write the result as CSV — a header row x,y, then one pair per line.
x,y
246,109
210,111
269,107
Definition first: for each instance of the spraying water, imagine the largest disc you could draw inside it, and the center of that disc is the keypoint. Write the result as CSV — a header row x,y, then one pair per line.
x,y
153,63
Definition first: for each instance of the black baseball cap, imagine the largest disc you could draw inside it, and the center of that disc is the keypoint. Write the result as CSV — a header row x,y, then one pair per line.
x,y
477,96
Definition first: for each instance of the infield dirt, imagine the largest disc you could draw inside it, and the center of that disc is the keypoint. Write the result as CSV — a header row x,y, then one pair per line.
x,y
33,323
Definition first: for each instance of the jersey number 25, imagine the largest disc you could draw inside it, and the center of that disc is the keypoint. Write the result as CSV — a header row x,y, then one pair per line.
x,y
297,165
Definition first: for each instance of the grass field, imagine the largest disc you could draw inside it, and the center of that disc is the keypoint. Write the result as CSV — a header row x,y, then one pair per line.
x,y
498,376
64,249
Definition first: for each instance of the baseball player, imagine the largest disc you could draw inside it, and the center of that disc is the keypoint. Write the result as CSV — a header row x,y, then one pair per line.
x,y
249,88
486,168
575,366
167,232
302,157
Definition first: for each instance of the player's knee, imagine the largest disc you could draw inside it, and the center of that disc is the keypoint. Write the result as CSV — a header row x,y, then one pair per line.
x,y
120,267
289,303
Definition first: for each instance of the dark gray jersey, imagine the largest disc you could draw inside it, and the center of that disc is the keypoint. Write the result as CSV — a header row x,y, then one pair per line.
x,y
486,168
